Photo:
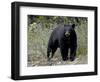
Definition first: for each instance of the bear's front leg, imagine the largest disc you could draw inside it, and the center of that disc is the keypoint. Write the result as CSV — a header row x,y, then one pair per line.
x,y
72,53
64,53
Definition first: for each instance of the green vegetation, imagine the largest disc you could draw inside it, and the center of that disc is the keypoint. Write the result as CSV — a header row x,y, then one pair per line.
x,y
39,30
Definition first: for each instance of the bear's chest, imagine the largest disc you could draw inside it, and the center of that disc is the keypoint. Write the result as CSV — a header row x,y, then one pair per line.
x,y
68,41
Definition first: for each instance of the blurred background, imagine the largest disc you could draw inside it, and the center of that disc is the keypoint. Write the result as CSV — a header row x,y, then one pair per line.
x,y
39,31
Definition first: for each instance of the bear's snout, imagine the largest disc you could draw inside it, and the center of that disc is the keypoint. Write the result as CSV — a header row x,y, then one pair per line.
x,y
67,34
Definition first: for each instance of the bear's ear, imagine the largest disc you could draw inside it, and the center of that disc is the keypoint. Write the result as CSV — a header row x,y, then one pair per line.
x,y
73,26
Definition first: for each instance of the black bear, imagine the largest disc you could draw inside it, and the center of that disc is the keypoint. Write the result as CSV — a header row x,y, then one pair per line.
x,y
65,38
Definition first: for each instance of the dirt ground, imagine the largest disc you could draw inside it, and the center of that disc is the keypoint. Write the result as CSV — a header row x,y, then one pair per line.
x,y
57,60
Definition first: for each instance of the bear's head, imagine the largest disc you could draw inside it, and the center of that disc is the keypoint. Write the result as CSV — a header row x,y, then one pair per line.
x,y
69,30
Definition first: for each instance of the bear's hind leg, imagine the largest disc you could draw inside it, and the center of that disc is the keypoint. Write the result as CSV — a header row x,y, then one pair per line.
x,y
53,51
48,53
